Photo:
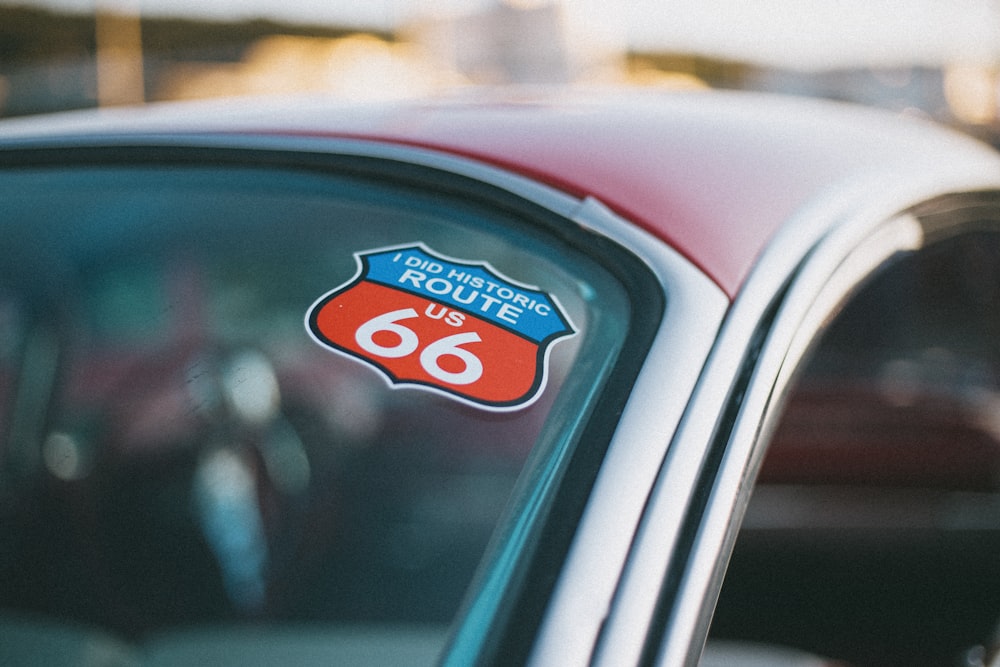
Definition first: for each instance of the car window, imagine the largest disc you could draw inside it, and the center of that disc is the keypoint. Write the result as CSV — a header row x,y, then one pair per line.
x,y
236,394
872,534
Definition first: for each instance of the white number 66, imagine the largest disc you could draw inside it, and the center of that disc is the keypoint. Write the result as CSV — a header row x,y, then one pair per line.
x,y
430,356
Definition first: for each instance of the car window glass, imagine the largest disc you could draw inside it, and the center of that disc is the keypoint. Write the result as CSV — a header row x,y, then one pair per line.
x,y
184,443
872,533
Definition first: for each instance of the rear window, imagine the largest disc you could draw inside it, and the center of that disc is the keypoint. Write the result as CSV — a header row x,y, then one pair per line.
x,y
236,394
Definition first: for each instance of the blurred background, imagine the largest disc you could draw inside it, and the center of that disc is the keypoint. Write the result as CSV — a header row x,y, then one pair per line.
x,y
925,57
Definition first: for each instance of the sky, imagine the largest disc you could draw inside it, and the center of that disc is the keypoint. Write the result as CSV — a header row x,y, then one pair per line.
x,y
806,34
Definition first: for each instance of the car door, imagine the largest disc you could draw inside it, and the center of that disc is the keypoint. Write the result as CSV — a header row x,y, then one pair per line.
x,y
872,532
871,366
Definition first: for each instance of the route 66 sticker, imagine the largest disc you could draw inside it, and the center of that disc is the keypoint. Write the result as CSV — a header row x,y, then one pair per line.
x,y
454,327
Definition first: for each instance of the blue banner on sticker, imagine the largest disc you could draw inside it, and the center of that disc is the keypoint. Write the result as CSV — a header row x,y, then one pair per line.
x,y
474,288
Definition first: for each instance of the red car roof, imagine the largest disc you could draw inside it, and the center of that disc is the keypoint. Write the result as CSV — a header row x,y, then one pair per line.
x,y
714,175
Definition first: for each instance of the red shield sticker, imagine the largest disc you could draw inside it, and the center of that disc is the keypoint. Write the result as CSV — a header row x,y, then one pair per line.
x,y
453,327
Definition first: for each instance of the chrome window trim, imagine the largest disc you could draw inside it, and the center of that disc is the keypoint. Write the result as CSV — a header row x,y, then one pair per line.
x,y
585,593
696,306
532,191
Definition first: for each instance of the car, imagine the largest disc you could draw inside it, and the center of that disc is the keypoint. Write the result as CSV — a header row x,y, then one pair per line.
x,y
545,377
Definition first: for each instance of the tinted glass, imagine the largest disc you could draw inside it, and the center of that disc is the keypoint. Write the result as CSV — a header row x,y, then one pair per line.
x,y
238,394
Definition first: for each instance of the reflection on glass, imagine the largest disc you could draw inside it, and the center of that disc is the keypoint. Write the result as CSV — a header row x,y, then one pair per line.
x,y
226,496
251,389
65,456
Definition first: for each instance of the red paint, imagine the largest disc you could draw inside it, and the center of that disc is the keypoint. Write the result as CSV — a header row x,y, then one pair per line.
x,y
710,176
